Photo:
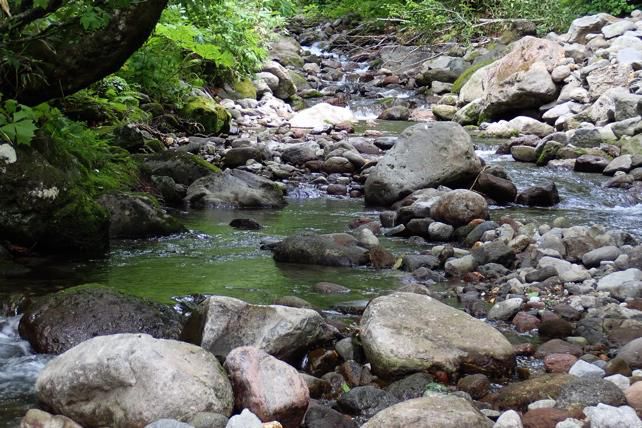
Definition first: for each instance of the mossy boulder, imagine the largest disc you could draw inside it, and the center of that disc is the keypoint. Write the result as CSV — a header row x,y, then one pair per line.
x,y
465,76
43,206
631,145
135,216
183,167
207,112
245,89
58,322
135,138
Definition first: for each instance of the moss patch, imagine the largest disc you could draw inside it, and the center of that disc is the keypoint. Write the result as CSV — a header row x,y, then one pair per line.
x,y
245,88
213,116
465,76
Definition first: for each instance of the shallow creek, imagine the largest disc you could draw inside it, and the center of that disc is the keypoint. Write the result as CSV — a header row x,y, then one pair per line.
x,y
215,259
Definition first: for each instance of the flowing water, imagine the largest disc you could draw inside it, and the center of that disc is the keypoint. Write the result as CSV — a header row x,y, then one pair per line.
x,y
19,367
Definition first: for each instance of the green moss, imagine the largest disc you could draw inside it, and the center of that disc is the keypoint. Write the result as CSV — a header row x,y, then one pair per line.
x,y
245,88
296,102
205,164
465,76
213,116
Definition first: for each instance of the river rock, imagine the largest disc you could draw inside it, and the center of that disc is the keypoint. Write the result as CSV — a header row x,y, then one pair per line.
x,y
496,188
365,401
434,411
567,271
245,419
605,416
269,388
36,418
184,168
299,154
57,322
622,284
518,81
428,334
234,189
520,394
505,310
632,353
133,216
620,163
589,391
523,153
221,324
336,249
285,87
319,416
122,381
585,25
395,113
583,369
444,146
459,207
320,115
539,196
595,257
509,419
529,126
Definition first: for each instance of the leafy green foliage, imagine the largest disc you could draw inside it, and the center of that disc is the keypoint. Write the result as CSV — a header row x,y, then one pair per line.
x,y
18,123
466,19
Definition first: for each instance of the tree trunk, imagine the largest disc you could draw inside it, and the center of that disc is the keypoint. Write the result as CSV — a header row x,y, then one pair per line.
x,y
71,58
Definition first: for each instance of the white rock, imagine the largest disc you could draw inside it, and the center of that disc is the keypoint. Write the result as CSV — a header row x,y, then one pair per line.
x,y
621,381
605,416
542,404
320,115
7,154
509,419
583,369
246,419
570,423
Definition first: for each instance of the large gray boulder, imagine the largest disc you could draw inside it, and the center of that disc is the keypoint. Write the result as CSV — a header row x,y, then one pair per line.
x,y
426,155
234,189
131,380
268,387
220,324
518,81
405,333
433,411
335,249
57,322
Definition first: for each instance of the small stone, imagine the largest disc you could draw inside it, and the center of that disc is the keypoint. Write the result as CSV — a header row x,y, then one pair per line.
x,y
509,419
583,369
622,382
246,419
542,404
559,363
476,385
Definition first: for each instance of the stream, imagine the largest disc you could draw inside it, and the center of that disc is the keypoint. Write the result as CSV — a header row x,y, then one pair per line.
x,y
214,258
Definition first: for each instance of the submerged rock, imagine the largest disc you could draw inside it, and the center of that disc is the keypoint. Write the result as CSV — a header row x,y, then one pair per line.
x,y
57,322
131,380
405,333
336,249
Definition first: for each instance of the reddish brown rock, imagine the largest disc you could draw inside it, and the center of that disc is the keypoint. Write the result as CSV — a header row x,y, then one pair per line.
x,y
476,385
544,418
269,388
558,346
519,395
559,363
524,322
